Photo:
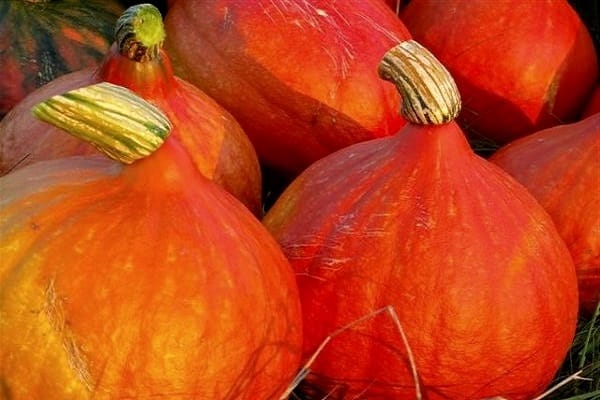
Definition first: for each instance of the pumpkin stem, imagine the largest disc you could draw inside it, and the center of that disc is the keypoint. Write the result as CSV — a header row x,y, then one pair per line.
x,y
429,93
139,32
112,118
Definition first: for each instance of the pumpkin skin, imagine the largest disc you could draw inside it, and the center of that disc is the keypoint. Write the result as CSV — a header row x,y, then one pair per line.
x,y
308,90
46,39
139,281
470,262
561,168
216,142
520,66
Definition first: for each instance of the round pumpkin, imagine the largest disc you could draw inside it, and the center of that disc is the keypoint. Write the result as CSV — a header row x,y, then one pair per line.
x,y
561,168
44,39
215,141
521,66
299,76
137,279
480,288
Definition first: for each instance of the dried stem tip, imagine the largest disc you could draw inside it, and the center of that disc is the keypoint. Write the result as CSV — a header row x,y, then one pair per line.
x,y
140,32
429,93
112,118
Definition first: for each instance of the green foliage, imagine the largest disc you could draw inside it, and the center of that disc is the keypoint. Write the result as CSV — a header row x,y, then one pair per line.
x,y
584,360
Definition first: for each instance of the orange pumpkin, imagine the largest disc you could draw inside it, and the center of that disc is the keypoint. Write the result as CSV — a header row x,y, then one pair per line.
x,y
483,286
137,281
561,168
217,144
299,76
521,66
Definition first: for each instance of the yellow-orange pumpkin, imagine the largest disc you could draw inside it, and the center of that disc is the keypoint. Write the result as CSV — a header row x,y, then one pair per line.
x,y
137,281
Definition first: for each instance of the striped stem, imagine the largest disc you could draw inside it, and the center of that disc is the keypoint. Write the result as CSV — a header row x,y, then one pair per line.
x,y
112,118
429,93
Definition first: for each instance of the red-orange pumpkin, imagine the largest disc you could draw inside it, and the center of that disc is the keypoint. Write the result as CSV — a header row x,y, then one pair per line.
x,y
483,286
299,76
44,39
520,66
138,281
217,144
561,167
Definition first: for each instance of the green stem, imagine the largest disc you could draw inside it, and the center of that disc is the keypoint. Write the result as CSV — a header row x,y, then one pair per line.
x,y
112,118
139,32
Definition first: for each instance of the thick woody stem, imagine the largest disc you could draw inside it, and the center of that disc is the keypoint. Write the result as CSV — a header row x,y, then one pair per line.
x,y
429,93
112,118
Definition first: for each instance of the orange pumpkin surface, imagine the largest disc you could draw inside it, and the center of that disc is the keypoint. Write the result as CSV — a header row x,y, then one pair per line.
x,y
521,66
139,281
482,284
299,76
561,168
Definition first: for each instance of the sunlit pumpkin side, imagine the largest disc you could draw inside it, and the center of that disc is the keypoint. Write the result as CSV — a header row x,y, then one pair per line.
x,y
139,278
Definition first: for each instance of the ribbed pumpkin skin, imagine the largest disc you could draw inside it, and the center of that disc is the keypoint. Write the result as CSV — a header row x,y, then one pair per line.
x,y
483,286
146,281
43,40
521,66
299,76
561,168
215,141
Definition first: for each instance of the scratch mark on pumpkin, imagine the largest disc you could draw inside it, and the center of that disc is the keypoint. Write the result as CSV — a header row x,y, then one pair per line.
x,y
379,28
227,20
75,355
303,14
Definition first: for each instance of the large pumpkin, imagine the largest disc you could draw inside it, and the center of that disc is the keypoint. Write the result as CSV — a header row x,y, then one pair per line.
x,y
299,76
137,281
561,167
217,144
44,39
483,287
520,66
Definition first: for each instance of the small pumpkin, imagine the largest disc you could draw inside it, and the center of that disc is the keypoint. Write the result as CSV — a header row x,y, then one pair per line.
x,y
44,39
139,278
299,76
521,66
483,287
561,168
217,144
